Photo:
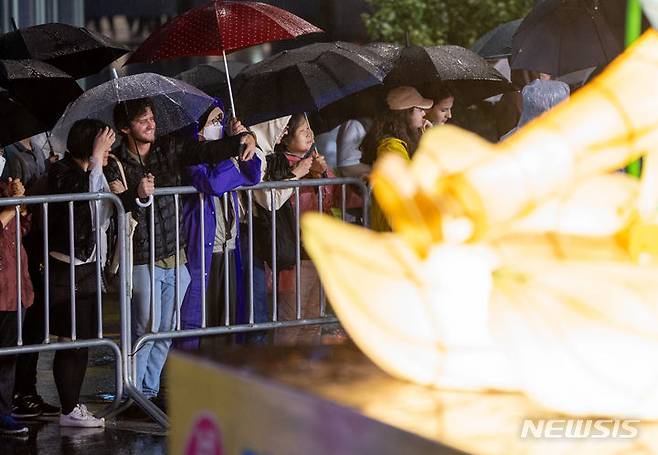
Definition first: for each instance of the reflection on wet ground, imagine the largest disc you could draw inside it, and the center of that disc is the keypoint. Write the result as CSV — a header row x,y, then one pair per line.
x,y
120,436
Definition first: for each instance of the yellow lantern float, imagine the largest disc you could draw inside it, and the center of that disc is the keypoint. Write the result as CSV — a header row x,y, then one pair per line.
x,y
522,266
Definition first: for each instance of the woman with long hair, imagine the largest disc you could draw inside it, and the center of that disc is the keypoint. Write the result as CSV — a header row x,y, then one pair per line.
x,y
397,130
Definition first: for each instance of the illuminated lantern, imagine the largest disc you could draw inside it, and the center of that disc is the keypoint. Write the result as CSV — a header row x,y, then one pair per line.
x,y
522,266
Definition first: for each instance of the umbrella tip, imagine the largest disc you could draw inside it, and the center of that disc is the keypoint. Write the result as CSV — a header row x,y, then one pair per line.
x,y
13,24
115,75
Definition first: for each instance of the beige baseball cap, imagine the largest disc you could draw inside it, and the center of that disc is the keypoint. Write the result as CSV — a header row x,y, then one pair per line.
x,y
405,97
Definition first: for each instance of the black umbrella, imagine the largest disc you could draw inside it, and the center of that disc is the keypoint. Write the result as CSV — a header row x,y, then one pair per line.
x,y
306,79
562,36
211,77
42,89
75,50
465,73
497,43
17,120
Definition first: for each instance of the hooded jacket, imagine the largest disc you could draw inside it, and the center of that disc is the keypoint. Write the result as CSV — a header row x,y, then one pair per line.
x,y
166,159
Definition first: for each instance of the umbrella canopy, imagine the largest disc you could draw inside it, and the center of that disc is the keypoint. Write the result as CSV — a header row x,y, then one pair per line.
x,y
497,43
176,103
468,74
75,50
210,77
17,120
42,89
306,79
220,26
562,36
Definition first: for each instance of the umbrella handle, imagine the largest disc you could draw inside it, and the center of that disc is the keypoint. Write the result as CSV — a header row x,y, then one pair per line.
x,y
144,204
228,80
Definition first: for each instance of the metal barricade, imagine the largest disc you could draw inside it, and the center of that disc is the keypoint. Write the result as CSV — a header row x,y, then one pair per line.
x,y
74,343
226,327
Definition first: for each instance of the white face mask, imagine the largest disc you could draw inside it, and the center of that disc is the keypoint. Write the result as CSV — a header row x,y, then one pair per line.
x,y
3,161
212,132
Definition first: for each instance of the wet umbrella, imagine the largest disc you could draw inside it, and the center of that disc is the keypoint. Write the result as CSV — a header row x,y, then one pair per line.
x,y
465,72
42,89
468,75
176,103
218,27
562,36
211,77
75,50
497,43
306,79
17,120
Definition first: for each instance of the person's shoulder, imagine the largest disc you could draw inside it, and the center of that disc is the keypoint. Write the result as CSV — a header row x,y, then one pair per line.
x,y
58,169
393,142
62,165
12,153
392,145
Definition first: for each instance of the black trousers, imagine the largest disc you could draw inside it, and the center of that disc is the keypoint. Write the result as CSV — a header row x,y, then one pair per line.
x,y
34,321
217,287
8,337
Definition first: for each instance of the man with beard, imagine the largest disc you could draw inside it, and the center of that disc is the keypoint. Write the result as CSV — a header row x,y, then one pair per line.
x,y
160,161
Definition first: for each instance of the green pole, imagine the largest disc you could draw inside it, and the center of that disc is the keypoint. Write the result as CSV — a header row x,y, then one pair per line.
x,y
633,31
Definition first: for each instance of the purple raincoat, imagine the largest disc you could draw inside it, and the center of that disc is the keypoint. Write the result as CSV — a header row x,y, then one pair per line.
x,y
212,180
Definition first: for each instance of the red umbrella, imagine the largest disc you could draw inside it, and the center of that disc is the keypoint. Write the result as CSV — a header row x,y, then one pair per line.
x,y
218,27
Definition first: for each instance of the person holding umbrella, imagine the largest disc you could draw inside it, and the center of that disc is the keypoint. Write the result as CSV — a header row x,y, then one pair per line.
x,y
159,162
296,157
220,223
397,130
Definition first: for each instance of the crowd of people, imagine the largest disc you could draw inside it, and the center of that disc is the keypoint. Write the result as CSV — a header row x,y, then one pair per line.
x,y
216,156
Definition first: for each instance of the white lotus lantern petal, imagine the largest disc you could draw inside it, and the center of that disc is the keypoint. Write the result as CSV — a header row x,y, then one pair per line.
x,y
515,266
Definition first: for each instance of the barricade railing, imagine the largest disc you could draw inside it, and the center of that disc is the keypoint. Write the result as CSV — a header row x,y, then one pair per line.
x,y
248,200
72,341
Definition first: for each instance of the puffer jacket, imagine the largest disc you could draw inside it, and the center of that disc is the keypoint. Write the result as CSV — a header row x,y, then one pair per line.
x,y
167,157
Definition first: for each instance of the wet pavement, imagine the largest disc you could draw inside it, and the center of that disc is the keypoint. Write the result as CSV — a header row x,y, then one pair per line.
x,y
120,436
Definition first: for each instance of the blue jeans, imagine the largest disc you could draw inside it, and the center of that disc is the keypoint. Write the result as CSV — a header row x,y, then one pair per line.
x,y
261,307
152,355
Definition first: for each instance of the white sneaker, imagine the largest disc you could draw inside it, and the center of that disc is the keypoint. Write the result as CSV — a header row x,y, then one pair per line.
x,y
80,417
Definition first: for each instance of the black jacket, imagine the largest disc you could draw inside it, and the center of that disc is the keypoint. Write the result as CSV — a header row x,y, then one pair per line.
x,y
65,176
167,158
